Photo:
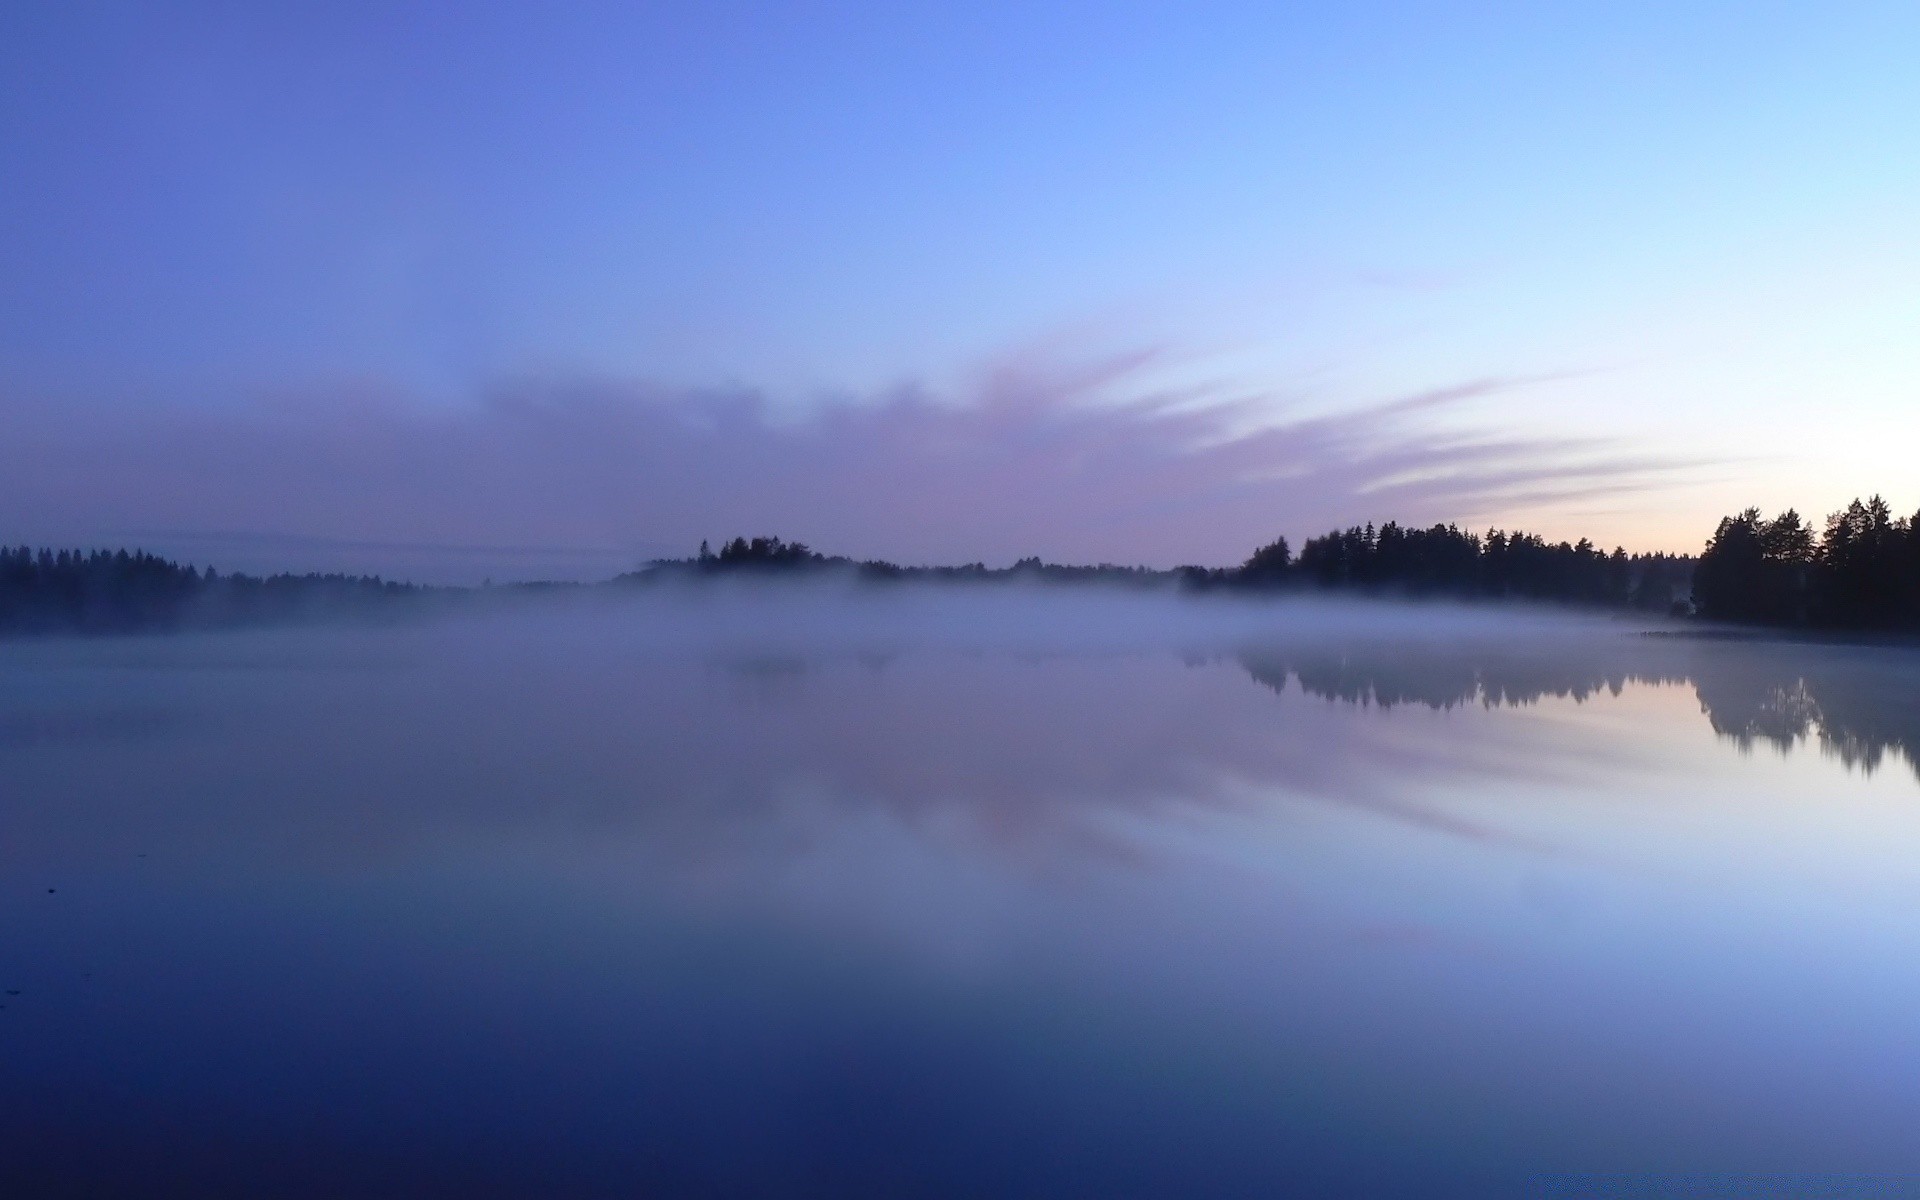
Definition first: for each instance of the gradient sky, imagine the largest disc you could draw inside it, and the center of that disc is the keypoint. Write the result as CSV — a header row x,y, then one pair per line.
x,y
513,288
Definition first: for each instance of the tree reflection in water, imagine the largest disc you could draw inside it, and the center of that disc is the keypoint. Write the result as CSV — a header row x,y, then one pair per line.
x,y
1860,704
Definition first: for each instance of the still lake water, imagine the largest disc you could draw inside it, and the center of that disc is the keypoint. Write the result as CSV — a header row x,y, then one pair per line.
x,y
958,894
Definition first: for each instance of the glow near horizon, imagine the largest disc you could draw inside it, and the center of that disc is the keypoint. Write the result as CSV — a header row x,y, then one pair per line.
x,y
1699,229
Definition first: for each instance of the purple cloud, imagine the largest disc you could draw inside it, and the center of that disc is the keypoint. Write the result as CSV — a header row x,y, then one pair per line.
x,y
1076,463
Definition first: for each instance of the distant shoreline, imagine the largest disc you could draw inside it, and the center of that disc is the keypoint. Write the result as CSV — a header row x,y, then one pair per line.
x,y
1859,582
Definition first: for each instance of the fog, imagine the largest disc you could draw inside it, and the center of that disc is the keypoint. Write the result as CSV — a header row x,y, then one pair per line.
x,y
721,886
1008,708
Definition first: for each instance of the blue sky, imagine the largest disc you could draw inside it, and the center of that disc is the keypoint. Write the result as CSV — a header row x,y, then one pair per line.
x,y
1681,239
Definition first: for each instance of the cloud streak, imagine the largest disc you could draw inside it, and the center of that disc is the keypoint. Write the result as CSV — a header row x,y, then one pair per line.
x,y
1078,461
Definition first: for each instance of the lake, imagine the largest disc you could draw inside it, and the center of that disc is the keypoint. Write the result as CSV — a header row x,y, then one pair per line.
x,y
827,893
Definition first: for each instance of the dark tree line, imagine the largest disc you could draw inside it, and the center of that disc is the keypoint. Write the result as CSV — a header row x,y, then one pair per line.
x,y
759,552
775,556
1440,561
1444,560
114,591
1861,572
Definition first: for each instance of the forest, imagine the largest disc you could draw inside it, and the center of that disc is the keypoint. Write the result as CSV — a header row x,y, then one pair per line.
x,y
1441,562
119,591
1445,561
1860,572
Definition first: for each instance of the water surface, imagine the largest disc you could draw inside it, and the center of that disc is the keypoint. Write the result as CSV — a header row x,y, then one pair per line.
x,y
965,894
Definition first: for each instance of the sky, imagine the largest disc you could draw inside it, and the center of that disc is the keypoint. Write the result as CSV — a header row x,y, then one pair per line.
x,y
452,290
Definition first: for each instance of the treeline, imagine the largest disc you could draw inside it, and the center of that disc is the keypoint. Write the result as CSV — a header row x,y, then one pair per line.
x,y
1862,571
1446,561
1439,561
771,555
120,591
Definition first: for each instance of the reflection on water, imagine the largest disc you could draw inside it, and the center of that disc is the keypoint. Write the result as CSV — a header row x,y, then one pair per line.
x,y
956,896
1859,704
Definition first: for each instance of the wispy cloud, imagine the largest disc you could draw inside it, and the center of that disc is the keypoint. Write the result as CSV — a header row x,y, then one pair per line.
x,y
1070,460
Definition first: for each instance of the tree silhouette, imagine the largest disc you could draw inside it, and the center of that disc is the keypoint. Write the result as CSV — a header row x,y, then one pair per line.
x,y
1864,572
1270,561
102,591
1443,560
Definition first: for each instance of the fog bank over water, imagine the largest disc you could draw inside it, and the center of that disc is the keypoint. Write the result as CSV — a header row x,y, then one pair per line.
x,y
1009,706
709,889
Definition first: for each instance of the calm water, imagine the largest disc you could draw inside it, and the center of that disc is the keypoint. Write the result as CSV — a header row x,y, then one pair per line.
x,y
968,895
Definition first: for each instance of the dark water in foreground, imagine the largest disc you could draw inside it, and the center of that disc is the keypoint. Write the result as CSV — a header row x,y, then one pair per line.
x,y
958,896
